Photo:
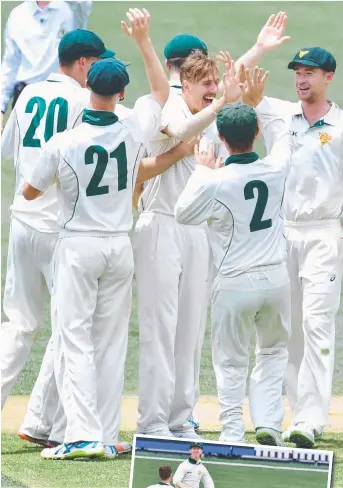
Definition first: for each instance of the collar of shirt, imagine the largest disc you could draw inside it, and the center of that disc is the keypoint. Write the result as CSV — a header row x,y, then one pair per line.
x,y
34,8
61,78
331,118
99,117
175,83
244,158
193,461
164,484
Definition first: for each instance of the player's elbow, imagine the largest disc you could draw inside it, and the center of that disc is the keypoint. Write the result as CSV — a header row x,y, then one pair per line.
x,y
30,193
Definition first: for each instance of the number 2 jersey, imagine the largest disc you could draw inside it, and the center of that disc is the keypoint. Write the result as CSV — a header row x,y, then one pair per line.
x,y
42,110
95,166
242,203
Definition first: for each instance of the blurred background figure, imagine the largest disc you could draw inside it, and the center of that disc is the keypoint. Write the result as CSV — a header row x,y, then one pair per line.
x,y
30,53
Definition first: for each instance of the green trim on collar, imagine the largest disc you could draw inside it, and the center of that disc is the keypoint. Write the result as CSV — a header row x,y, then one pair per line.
x,y
244,158
192,461
99,117
175,86
319,123
164,484
53,81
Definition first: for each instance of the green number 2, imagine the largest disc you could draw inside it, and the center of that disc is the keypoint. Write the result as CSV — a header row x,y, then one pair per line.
x,y
62,119
262,197
119,154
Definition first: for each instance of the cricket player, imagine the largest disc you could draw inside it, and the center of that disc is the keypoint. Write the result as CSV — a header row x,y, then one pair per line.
x,y
165,475
42,110
192,472
96,166
313,207
242,203
174,320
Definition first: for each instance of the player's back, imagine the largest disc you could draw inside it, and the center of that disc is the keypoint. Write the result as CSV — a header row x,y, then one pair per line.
x,y
97,169
246,231
42,110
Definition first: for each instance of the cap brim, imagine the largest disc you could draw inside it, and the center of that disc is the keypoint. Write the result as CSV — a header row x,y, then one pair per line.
x,y
107,54
292,64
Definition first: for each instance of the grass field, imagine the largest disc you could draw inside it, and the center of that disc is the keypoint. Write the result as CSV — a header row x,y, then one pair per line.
x,y
223,25
240,473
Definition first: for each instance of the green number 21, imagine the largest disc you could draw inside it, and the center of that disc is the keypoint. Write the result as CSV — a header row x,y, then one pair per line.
x,y
62,118
119,154
262,197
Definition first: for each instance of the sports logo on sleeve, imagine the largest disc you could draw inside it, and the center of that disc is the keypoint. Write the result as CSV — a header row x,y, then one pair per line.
x,y
324,138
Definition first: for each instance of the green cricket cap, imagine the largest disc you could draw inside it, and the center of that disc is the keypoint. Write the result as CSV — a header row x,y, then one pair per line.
x,y
316,57
197,444
82,43
182,45
236,118
108,77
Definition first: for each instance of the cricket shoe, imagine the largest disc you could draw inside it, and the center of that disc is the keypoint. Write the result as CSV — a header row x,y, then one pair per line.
x,y
73,450
35,440
193,422
157,433
286,434
302,435
190,434
269,437
226,437
121,447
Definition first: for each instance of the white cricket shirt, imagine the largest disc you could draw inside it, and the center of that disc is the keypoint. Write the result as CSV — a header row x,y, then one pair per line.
x,y
42,109
81,10
314,188
242,203
31,41
191,474
160,194
159,485
95,166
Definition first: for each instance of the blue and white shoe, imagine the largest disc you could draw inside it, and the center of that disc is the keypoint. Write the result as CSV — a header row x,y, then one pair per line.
x,y
73,450
193,421
111,452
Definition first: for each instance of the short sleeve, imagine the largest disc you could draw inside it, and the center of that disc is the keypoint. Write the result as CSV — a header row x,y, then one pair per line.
x,y
44,172
145,119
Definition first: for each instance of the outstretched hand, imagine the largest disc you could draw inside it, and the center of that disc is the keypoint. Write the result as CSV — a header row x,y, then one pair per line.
x,y
207,158
272,33
139,24
253,88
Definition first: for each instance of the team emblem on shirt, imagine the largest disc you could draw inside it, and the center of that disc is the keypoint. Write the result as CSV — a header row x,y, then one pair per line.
x,y
302,53
324,138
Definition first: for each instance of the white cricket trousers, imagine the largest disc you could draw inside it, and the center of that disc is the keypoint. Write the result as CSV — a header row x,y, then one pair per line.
x,y
315,262
258,299
91,305
28,280
171,267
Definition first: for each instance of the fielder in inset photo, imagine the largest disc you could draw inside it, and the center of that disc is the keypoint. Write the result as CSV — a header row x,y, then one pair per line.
x,y
184,463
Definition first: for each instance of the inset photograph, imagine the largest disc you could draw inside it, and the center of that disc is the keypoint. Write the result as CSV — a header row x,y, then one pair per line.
x,y
180,463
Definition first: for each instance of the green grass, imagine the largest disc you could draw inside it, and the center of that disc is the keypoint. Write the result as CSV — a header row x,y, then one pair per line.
x,y
223,25
145,471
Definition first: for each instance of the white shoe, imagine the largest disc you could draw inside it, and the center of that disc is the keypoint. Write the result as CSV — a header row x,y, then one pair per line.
x,y
269,437
189,434
286,433
302,435
193,422
111,452
72,450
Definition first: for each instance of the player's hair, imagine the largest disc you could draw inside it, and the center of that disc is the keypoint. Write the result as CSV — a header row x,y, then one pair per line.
x,y
197,66
176,63
238,124
165,472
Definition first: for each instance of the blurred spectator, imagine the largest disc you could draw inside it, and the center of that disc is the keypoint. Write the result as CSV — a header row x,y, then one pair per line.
x,y
32,34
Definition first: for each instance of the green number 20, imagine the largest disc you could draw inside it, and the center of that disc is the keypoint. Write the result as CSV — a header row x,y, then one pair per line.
x,y
119,154
262,197
29,139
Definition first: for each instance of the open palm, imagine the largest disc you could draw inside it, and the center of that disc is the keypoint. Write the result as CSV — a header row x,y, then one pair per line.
x,y
272,33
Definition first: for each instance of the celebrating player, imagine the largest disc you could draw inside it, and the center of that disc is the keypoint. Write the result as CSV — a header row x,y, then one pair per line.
x,y
96,167
192,472
242,203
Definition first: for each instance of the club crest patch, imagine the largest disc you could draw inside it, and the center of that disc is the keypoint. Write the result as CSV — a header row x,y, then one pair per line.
x,y
324,138
302,53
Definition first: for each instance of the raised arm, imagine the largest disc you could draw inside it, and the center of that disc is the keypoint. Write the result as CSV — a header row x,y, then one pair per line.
x,y
139,30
